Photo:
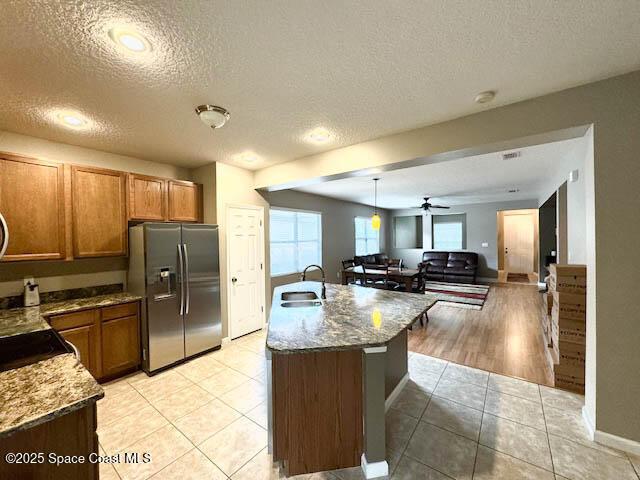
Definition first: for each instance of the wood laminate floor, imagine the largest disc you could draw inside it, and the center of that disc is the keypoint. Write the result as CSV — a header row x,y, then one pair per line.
x,y
504,337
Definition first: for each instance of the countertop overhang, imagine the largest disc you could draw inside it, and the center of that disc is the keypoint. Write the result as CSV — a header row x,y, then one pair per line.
x,y
351,317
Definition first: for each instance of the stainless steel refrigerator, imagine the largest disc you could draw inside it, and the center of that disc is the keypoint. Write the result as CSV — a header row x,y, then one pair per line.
x,y
175,268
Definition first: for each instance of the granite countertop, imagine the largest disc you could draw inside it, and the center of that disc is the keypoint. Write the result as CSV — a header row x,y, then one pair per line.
x,y
31,319
39,392
351,317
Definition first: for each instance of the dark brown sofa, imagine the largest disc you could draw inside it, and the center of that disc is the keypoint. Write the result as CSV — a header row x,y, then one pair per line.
x,y
455,267
374,260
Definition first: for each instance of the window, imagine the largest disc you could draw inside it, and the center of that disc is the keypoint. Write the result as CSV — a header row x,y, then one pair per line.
x,y
367,239
295,239
449,232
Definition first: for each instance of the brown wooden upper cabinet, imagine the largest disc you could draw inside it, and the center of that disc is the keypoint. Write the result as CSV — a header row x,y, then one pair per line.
x,y
147,198
99,212
185,201
32,203
161,199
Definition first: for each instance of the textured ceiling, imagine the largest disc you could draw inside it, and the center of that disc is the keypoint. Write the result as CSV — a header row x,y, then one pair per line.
x,y
359,69
477,179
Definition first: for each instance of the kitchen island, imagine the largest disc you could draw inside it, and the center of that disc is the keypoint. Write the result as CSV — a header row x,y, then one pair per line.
x,y
334,366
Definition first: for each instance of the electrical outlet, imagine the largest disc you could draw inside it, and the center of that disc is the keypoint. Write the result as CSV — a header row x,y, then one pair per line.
x,y
485,244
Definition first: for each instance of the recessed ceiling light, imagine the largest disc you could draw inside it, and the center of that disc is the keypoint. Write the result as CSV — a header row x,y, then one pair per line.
x,y
212,115
129,39
247,157
485,97
71,119
319,135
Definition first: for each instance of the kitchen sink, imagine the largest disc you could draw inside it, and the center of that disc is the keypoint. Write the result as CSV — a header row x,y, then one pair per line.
x,y
304,303
286,296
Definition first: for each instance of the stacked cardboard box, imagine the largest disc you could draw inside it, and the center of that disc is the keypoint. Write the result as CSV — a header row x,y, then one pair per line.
x,y
546,320
568,286
548,302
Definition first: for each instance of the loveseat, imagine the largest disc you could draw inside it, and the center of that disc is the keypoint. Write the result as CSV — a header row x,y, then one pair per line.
x,y
374,260
455,267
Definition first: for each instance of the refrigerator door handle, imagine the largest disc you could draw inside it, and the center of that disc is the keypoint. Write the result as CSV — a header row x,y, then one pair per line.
x,y
181,266
188,286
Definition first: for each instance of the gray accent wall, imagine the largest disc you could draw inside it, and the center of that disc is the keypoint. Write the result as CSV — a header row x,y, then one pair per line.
x,y
338,229
547,232
482,227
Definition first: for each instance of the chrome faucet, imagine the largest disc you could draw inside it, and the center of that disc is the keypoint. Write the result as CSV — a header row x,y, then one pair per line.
x,y
304,275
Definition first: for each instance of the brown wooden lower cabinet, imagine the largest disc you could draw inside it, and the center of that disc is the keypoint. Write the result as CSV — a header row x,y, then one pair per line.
x,y
70,434
317,410
85,340
108,338
120,345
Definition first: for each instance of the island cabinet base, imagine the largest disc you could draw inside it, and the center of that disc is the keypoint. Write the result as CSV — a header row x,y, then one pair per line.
x,y
70,434
317,410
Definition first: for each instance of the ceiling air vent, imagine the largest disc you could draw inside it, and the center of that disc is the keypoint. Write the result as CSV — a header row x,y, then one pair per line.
x,y
510,155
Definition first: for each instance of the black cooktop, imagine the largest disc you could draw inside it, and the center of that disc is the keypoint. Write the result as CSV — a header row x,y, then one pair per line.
x,y
20,350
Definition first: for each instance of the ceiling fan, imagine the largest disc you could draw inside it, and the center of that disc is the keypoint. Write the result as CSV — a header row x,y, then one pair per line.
x,y
426,206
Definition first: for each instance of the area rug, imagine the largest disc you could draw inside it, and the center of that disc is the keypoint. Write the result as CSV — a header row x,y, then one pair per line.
x,y
459,295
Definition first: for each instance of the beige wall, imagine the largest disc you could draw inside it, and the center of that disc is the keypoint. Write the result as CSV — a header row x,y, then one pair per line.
x,y
234,186
62,152
576,202
61,275
572,199
206,175
611,199
58,275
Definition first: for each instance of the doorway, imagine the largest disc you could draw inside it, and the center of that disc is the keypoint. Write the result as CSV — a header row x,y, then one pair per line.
x,y
245,267
518,250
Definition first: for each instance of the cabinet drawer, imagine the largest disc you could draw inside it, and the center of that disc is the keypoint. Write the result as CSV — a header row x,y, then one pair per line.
x,y
118,311
73,320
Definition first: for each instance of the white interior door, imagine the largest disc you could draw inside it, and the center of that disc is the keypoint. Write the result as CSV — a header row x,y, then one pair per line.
x,y
245,269
518,243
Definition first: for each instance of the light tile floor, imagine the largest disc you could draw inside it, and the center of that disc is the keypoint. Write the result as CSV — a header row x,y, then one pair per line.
x,y
207,419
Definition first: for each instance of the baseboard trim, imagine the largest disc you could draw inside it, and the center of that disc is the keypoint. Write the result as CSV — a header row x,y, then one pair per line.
x,y
607,439
588,422
396,391
619,443
487,279
375,469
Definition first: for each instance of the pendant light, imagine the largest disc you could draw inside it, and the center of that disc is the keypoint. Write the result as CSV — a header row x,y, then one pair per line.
x,y
375,219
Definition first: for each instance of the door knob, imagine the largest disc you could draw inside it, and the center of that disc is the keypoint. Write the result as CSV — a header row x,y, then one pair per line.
x,y
234,280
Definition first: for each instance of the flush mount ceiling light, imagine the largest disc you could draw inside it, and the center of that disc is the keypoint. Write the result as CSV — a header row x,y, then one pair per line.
x,y
485,97
129,39
71,119
212,115
319,135
247,157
